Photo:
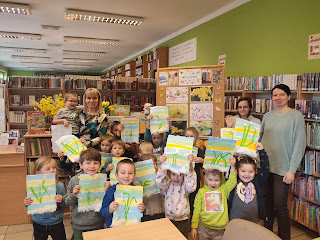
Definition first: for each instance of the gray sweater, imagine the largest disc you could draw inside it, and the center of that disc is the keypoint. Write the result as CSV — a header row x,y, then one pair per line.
x,y
81,220
284,139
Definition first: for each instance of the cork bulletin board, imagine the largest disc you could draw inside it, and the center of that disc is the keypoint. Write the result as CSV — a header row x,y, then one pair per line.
x,y
194,96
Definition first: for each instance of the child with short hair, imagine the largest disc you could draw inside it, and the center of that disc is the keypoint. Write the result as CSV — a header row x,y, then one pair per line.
x,y
246,200
125,173
146,152
117,148
48,223
90,160
176,192
158,140
105,147
69,114
210,215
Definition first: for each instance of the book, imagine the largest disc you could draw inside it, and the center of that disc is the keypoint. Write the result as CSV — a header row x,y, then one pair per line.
x,y
36,121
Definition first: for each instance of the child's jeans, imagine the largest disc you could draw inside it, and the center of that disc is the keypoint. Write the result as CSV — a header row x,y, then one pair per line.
x,y
41,232
209,234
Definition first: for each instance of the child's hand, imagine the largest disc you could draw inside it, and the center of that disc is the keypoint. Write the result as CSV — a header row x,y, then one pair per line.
x,y
169,119
198,160
61,155
107,185
229,120
113,206
163,158
59,198
27,201
141,207
65,122
84,142
127,147
194,233
150,116
76,190
109,167
259,146
191,158
232,161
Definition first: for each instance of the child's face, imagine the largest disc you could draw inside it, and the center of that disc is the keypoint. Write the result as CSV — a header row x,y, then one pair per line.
x,y
105,146
246,172
191,134
50,167
115,131
125,174
71,103
156,139
177,179
117,150
90,167
213,181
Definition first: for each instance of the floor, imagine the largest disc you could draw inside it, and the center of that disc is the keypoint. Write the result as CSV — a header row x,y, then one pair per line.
x,y
25,231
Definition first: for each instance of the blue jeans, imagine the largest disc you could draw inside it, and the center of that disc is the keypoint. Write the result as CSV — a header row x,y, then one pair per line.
x,y
41,232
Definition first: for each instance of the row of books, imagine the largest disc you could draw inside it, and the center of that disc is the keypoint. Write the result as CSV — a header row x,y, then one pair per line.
x,y
258,105
136,84
313,134
230,102
101,84
310,82
153,66
34,82
154,54
310,164
26,100
68,76
17,116
133,100
139,61
234,83
310,109
38,147
306,186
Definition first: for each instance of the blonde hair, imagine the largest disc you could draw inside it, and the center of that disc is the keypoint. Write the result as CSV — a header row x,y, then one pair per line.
x,y
146,148
67,94
118,142
38,165
92,92
194,131
107,137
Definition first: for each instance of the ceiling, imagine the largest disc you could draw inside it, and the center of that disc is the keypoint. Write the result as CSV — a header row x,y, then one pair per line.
x,y
161,18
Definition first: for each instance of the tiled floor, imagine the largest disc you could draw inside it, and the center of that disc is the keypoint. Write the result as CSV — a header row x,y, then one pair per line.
x,y
24,232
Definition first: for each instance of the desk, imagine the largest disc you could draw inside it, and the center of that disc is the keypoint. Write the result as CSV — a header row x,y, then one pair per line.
x,y
161,229
13,186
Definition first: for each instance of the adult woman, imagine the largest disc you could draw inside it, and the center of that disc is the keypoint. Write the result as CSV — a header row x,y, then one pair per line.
x,y
284,139
93,120
244,107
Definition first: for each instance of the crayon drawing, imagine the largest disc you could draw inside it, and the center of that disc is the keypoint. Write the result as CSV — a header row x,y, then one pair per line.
x,y
130,133
177,95
227,133
127,212
178,111
190,77
177,150
179,127
173,78
204,127
201,94
91,192
202,111
146,177
159,121
115,161
163,78
71,146
41,188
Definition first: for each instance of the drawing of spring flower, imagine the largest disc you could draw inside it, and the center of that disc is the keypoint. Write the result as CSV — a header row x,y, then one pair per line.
x,y
127,204
220,156
40,196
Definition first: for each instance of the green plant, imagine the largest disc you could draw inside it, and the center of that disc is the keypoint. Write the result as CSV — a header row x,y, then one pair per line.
x,y
88,197
127,204
217,158
40,196
245,136
145,183
71,149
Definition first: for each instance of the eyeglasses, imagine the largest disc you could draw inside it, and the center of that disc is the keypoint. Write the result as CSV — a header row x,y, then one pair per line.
x,y
72,101
243,107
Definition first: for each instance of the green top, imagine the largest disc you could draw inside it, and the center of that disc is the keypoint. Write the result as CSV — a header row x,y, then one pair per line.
x,y
284,139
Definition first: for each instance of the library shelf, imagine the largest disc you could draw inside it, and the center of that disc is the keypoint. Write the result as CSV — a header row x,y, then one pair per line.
x,y
311,120
302,223
233,91
311,147
139,91
258,114
305,198
310,92
22,107
38,156
33,89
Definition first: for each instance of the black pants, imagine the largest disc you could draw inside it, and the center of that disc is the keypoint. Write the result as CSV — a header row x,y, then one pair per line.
x,y
41,232
183,226
275,194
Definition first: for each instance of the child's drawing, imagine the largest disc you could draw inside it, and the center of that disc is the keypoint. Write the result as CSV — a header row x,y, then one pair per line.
x,y
204,127
202,111
173,78
91,192
71,146
163,78
201,94
179,127
159,121
213,201
127,212
227,133
177,95
130,134
217,76
41,188
190,77
178,111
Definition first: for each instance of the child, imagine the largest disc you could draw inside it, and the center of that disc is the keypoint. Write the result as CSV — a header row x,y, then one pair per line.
x,y
90,161
69,114
246,201
146,152
158,140
48,223
193,132
116,129
105,146
125,173
176,192
210,215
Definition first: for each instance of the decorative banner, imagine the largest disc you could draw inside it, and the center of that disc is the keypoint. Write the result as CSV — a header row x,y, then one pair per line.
x,y
177,150
115,161
202,111
218,153
57,132
204,127
159,121
41,188
163,78
146,177
173,78
179,128
201,94
190,77
130,133
127,212
177,95
247,133
227,133
120,110
91,192
178,111
71,146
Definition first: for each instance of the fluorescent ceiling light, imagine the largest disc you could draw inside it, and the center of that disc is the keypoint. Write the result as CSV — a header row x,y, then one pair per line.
x,y
90,40
33,58
22,9
79,60
75,66
37,68
23,50
25,36
36,64
83,53
54,45
50,27
72,14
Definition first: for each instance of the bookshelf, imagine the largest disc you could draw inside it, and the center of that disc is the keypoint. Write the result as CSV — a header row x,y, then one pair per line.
x,y
157,58
121,71
142,66
130,69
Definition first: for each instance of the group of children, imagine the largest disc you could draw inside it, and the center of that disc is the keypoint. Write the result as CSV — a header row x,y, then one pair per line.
x,y
209,208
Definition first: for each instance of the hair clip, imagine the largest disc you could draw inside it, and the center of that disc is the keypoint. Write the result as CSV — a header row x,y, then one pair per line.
x,y
238,158
255,160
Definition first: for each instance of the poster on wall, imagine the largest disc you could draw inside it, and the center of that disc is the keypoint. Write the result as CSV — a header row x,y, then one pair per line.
x,y
177,95
190,76
163,78
222,60
314,46
184,52
202,111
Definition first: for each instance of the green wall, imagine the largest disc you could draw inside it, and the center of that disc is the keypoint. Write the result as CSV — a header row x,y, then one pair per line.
x,y
12,72
261,37
4,70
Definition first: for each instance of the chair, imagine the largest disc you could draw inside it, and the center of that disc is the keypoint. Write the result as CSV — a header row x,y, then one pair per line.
x,y
239,229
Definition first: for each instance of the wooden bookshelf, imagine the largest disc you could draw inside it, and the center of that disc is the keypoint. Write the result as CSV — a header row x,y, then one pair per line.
x,y
130,69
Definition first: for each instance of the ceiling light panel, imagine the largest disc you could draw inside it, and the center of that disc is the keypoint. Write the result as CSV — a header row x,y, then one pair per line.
x,y
23,36
72,14
22,50
83,53
36,64
13,8
75,66
33,58
79,60
91,40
